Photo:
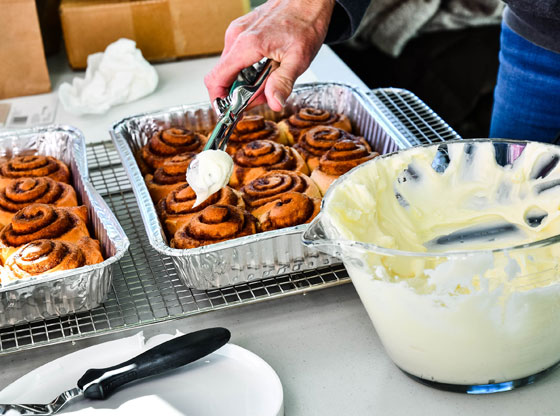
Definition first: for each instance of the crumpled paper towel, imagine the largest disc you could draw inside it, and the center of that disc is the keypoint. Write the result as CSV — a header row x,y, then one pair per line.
x,y
118,75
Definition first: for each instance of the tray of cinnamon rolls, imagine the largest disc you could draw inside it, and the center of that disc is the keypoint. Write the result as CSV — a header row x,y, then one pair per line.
x,y
283,164
58,238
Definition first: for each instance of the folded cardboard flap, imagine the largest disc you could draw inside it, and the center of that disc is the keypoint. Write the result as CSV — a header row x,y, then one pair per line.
x,y
162,29
23,67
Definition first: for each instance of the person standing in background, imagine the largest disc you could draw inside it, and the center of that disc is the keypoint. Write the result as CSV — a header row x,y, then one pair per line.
x,y
527,93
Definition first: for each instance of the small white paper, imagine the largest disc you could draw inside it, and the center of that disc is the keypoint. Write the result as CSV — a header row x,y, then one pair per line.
x,y
32,111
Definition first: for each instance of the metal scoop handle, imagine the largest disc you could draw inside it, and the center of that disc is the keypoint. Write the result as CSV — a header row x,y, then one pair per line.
x,y
230,108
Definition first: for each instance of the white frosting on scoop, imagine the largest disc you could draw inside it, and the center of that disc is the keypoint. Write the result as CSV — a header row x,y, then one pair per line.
x,y
208,173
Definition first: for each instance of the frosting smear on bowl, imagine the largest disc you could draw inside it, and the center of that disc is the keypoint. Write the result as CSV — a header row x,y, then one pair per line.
x,y
420,200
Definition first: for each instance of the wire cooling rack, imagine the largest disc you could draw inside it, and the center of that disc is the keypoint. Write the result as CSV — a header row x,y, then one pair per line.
x,y
146,288
417,122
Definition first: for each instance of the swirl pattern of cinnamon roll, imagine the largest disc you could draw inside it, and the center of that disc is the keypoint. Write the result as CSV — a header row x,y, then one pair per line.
x,y
33,166
214,224
342,157
168,143
168,177
49,256
39,221
25,191
289,209
306,118
249,128
316,141
268,187
260,156
177,209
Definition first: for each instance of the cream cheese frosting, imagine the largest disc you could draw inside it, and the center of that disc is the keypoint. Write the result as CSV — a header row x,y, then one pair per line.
x,y
208,173
449,299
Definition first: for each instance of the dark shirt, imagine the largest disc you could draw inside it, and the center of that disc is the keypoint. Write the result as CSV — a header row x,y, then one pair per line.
x,y
345,19
536,20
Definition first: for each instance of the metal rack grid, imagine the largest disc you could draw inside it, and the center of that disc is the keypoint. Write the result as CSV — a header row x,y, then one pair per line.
x,y
417,122
146,288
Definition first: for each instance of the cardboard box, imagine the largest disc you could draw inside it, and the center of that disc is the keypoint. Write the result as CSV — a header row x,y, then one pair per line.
x,y
162,29
23,67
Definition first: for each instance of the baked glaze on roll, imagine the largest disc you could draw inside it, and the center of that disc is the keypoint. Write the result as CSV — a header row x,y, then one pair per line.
x,y
172,174
260,156
177,209
40,221
316,141
252,127
33,166
343,156
214,224
289,209
167,143
49,256
306,118
267,187
25,191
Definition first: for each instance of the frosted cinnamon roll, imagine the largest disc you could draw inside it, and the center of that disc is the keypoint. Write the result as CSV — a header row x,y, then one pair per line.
x,y
49,256
344,155
25,191
289,209
267,187
177,209
167,143
260,156
316,141
306,118
172,174
33,167
214,224
252,127
40,221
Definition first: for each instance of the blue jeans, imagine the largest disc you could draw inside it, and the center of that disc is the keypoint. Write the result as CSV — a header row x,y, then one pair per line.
x,y
527,93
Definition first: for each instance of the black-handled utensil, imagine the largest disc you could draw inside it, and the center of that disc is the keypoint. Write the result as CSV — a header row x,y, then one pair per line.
x,y
99,384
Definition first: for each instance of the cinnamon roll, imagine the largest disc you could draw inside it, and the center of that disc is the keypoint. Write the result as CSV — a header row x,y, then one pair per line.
x,y
172,174
39,221
214,224
168,143
308,117
344,155
25,191
177,209
316,141
33,166
49,256
252,127
267,187
261,156
289,209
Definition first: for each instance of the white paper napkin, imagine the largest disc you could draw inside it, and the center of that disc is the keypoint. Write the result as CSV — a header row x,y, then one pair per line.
x,y
118,75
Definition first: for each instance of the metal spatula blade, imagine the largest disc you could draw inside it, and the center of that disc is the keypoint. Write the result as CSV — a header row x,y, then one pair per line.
x,y
55,406
99,384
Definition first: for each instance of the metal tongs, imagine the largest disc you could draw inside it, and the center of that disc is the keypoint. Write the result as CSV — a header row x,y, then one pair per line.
x,y
231,107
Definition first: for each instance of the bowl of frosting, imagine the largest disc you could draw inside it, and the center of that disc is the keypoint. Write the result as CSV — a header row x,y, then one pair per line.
x,y
454,251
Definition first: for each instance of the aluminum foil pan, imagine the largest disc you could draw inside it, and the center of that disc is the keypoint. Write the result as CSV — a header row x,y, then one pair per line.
x,y
75,290
261,255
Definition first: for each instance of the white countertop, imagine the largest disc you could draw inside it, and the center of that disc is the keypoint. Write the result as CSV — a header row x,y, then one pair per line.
x,y
322,344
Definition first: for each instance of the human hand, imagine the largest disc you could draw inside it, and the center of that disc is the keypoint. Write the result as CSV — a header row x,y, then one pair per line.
x,y
287,31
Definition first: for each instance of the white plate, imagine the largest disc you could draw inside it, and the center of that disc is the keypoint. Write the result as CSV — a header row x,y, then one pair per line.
x,y
231,381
